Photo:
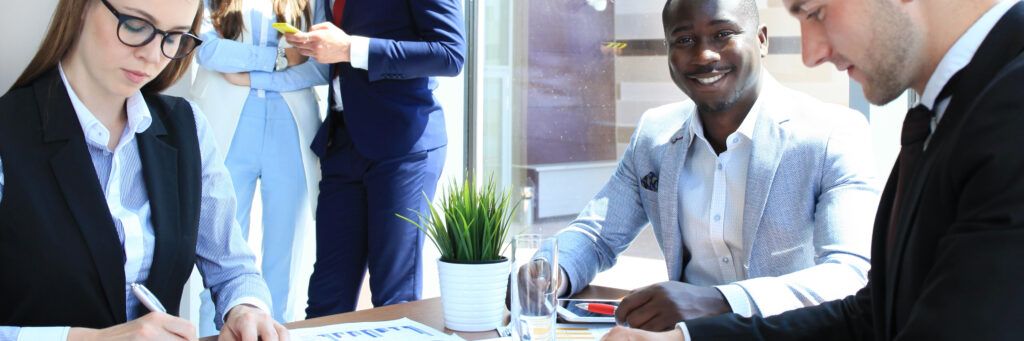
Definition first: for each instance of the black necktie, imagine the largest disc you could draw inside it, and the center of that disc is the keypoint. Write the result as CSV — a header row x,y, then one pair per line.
x,y
916,128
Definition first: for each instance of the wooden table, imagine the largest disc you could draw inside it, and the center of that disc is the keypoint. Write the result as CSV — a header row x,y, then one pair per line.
x,y
428,312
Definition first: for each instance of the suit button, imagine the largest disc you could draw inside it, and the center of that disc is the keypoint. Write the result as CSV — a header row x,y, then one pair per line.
x,y
725,260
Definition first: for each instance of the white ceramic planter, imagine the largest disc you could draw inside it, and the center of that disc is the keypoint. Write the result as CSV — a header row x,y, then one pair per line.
x,y
473,295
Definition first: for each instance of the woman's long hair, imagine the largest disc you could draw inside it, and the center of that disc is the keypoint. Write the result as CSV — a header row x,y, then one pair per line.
x,y
226,15
65,27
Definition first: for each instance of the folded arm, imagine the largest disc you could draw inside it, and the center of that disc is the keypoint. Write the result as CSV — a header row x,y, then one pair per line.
x,y
302,76
229,56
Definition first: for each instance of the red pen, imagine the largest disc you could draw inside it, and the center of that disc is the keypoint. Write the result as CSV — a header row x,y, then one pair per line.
x,y
599,308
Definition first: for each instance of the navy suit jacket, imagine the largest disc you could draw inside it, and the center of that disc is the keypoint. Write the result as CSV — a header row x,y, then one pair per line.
x,y
390,109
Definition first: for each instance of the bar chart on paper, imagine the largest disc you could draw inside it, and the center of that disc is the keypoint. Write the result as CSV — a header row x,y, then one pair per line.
x,y
394,330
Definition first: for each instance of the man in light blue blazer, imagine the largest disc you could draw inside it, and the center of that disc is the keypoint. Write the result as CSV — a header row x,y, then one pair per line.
x,y
761,197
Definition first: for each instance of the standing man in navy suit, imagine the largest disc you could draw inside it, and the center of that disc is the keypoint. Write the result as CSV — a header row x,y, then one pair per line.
x,y
382,146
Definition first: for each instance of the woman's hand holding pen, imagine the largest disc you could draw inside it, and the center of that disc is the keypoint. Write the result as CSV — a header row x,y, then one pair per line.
x,y
152,326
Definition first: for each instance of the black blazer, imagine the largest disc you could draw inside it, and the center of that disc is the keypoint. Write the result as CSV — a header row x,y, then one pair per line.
x,y
957,267
60,257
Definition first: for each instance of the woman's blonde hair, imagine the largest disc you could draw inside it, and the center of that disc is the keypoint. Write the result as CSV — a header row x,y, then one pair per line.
x,y
65,28
226,15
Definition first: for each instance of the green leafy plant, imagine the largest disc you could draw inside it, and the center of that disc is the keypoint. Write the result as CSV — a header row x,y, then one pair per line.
x,y
471,225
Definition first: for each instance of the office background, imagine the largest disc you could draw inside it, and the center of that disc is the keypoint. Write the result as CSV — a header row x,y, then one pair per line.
x,y
550,105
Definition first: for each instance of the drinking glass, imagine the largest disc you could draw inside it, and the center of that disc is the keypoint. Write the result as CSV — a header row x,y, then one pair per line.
x,y
534,270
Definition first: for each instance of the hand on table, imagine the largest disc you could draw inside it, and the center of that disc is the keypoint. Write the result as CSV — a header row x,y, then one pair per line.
x,y
247,323
660,306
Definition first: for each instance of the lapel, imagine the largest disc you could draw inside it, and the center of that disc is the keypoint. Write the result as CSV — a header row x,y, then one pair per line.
x,y
668,194
769,143
160,173
76,177
879,263
1001,45
328,10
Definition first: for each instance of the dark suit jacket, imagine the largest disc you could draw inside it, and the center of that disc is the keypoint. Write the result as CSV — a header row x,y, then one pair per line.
x,y
956,271
390,109
61,260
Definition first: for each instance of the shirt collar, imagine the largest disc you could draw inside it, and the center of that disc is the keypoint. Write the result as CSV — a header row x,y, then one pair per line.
x,y
139,117
961,53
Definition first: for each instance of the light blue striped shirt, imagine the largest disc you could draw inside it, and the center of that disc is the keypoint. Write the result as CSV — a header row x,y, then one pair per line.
x,y
223,257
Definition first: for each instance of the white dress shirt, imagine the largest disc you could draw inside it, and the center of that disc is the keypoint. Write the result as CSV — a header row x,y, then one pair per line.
x,y
712,190
359,56
223,257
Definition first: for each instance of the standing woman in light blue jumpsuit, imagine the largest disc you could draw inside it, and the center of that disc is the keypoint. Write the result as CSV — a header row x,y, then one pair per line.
x,y
257,93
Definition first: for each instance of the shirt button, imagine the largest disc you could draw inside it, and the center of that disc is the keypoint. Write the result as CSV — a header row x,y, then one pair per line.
x,y
719,166
725,259
718,217
735,140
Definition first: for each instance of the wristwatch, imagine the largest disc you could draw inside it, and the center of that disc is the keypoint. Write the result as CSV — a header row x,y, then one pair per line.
x,y
282,60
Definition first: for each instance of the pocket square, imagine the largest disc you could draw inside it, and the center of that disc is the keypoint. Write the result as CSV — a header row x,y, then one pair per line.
x,y
650,182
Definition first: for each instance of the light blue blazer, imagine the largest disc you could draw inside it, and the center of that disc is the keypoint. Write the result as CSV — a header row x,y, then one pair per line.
x,y
811,197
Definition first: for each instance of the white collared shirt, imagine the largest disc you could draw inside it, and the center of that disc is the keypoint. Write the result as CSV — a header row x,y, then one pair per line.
x,y
359,56
118,176
712,192
958,56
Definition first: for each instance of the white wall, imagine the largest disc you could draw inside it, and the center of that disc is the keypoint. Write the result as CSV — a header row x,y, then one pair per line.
x,y
21,32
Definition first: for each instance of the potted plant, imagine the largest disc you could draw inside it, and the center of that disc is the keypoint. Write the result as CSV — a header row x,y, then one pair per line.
x,y
470,229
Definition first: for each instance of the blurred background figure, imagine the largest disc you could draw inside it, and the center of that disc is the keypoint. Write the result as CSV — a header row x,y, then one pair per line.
x,y
257,92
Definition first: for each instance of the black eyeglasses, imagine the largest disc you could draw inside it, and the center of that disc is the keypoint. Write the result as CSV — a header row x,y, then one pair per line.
x,y
136,32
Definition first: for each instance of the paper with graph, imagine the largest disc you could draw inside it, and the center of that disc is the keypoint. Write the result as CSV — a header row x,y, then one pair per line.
x,y
582,331
402,329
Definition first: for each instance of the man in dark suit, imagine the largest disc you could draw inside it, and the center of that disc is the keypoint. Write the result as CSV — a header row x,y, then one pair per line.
x,y
382,146
949,233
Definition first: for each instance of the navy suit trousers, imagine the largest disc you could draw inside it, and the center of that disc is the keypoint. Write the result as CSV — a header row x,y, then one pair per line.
x,y
357,230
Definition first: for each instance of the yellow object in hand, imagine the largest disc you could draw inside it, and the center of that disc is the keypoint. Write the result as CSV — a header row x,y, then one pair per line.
x,y
285,28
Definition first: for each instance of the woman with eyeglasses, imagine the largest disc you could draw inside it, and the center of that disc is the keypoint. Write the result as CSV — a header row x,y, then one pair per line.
x,y
257,93
106,183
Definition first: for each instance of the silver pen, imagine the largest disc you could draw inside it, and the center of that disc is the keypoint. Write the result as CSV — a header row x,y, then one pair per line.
x,y
147,298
